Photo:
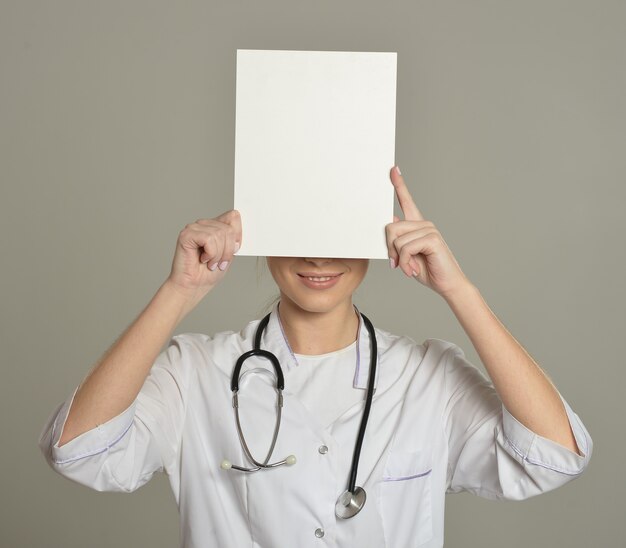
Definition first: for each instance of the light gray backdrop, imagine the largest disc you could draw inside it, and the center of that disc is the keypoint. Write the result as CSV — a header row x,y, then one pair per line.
x,y
117,129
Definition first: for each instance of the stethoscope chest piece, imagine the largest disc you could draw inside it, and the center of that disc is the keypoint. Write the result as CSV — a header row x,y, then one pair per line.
x,y
350,504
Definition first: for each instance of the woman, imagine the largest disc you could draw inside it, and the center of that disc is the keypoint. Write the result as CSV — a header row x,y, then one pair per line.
x,y
436,424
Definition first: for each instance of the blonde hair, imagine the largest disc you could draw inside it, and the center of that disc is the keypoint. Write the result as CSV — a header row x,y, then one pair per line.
x,y
261,266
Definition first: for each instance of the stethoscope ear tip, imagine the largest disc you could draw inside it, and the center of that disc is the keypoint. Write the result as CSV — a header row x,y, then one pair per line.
x,y
226,465
290,460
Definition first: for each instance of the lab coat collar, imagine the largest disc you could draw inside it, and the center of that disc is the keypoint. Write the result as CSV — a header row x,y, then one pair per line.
x,y
274,338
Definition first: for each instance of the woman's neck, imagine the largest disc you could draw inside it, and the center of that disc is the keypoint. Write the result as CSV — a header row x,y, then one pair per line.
x,y
313,333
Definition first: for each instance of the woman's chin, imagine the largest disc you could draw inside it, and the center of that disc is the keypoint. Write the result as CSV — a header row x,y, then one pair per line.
x,y
315,303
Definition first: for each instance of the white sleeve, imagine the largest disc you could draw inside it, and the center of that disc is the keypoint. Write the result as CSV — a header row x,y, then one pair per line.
x,y
493,455
123,453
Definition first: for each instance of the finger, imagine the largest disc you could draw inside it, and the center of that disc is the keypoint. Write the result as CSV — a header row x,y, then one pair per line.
x,y
205,243
228,252
233,219
229,226
414,263
238,229
402,241
209,247
214,249
404,238
424,244
409,209
230,218
393,256
206,238
398,229
390,236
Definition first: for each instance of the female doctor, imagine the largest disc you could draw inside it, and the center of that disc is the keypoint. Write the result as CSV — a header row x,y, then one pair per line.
x,y
435,424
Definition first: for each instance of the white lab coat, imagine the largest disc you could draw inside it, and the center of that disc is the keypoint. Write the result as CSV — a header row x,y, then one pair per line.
x,y
436,426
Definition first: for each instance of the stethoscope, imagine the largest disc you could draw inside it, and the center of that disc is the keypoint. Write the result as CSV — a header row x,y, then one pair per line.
x,y
353,498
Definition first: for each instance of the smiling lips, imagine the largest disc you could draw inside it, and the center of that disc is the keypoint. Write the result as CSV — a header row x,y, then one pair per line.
x,y
319,280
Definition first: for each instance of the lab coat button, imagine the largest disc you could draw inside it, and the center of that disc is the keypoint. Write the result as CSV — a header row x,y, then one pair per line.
x,y
319,532
323,449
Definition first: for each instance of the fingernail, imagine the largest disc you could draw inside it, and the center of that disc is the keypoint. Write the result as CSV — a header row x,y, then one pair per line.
x,y
398,171
205,260
237,246
392,263
414,273
223,265
213,266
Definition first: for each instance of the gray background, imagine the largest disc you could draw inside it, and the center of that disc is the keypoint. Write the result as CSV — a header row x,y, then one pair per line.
x,y
117,129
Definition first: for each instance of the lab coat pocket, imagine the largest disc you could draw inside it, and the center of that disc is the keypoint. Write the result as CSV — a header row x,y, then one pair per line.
x,y
405,498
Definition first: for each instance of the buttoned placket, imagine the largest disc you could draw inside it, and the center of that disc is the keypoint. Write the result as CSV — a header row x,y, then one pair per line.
x,y
275,338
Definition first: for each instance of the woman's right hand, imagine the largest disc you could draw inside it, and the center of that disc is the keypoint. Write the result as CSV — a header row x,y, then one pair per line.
x,y
204,252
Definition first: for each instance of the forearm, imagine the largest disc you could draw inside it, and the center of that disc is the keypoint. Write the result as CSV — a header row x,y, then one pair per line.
x,y
523,387
114,382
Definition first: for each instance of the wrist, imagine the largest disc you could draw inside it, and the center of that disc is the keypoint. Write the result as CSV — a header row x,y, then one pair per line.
x,y
462,293
184,299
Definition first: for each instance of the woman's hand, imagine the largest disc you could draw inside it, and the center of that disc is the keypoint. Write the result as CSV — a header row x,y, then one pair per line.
x,y
417,247
204,251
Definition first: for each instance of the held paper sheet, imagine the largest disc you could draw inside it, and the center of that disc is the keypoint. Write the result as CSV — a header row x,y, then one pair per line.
x,y
314,143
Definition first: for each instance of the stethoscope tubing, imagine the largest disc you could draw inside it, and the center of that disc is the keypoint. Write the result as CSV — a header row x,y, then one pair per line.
x,y
246,449
350,501
368,404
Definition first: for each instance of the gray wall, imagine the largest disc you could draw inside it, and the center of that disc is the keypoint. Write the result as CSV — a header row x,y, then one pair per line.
x,y
117,129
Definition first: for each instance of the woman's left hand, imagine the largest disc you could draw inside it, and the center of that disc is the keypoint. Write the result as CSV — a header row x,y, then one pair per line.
x,y
418,248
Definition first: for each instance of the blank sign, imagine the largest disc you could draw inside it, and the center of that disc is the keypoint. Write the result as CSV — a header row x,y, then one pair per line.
x,y
314,143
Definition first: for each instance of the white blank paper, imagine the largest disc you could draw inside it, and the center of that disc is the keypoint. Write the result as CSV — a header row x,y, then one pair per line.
x,y
314,144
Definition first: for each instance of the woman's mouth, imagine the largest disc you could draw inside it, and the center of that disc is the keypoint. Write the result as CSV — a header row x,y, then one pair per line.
x,y
319,281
